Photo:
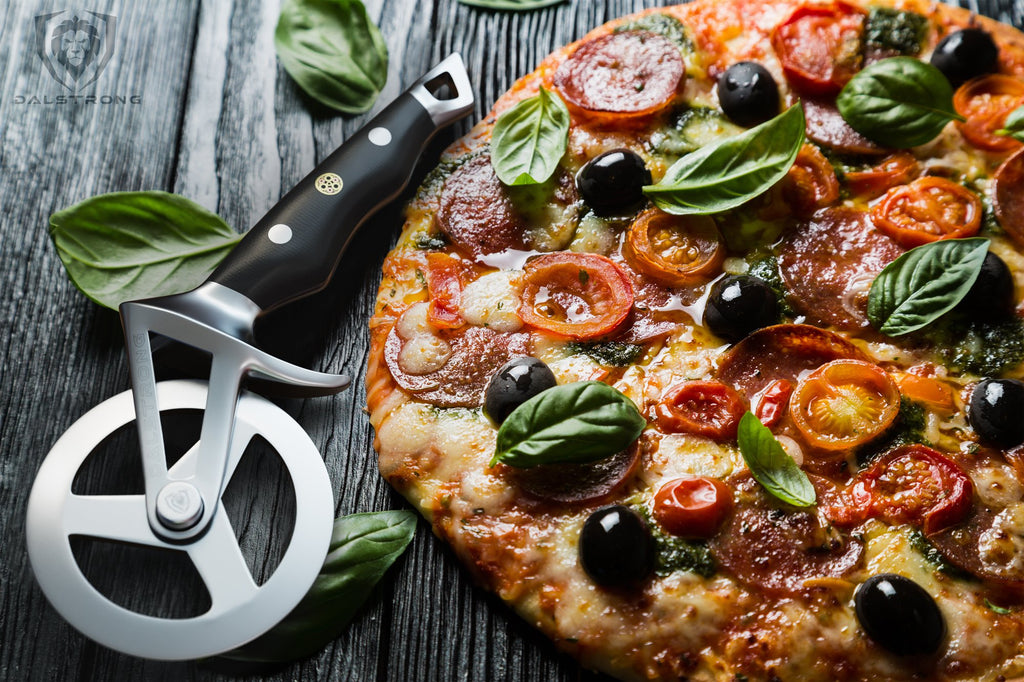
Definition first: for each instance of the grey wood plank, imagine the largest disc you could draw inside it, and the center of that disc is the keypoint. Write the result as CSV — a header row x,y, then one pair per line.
x,y
195,175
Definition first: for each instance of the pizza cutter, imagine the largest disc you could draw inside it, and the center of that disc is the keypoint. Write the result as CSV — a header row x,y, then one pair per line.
x,y
290,253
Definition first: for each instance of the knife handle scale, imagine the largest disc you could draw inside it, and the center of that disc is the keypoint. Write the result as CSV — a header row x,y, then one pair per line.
x,y
294,249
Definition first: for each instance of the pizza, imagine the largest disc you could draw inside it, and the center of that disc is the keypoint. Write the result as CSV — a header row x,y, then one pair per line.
x,y
732,389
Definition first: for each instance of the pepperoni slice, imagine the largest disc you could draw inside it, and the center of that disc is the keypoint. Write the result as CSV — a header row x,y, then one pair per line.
x,y
826,126
476,211
983,547
592,482
775,548
1007,197
482,216
633,73
783,351
828,263
477,353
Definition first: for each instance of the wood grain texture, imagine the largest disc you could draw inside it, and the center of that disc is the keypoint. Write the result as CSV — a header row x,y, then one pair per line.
x,y
221,122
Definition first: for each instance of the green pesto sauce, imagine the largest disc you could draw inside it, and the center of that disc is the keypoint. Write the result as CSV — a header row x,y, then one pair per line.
x,y
895,30
689,129
663,25
933,556
676,554
673,554
430,242
907,428
614,353
983,348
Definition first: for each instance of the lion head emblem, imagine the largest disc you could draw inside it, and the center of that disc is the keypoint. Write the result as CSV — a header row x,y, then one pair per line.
x,y
73,46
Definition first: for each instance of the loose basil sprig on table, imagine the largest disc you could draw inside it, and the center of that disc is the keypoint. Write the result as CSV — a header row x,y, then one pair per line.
x,y
924,284
900,102
127,245
512,5
771,466
529,139
579,422
333,51
723,175
363,547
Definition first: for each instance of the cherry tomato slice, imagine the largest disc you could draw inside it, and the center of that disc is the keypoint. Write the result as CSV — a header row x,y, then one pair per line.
x,y
985,102
704,408
844,403
896,169
811,182
675,250
819,47
579,295
445,276
926,210
771,402
914,484
692,506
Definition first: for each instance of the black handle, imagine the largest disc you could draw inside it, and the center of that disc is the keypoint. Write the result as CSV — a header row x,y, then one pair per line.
x,y
293,250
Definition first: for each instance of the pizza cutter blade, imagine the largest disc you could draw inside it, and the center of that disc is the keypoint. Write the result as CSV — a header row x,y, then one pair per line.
x,y
290,253
240,609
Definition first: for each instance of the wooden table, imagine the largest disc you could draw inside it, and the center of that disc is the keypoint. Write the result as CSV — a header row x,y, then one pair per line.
x,y
193,101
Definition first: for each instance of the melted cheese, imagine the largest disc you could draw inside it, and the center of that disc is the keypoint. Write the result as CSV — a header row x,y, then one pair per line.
x,y
1001,547
679,454
594,235
423,351
424,354
493,301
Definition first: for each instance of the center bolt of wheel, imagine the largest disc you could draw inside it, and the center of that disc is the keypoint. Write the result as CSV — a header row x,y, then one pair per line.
x,y
179,506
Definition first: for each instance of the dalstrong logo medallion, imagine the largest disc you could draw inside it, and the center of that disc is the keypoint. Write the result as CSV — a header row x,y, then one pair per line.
x,y
75,45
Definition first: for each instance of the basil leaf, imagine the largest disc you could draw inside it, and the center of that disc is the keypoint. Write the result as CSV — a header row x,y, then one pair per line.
x,y
363,547
771,466
513,5
529,139
579,422
899,102
730,172
1014,125
128,245
333,52
924,283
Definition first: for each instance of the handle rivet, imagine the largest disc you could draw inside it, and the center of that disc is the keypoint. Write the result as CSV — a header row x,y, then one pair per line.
x,y
329,184
179,506
280,234
379,136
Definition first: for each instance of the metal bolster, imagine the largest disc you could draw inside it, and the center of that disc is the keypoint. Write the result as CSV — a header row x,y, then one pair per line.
x,y
451,72
215,318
